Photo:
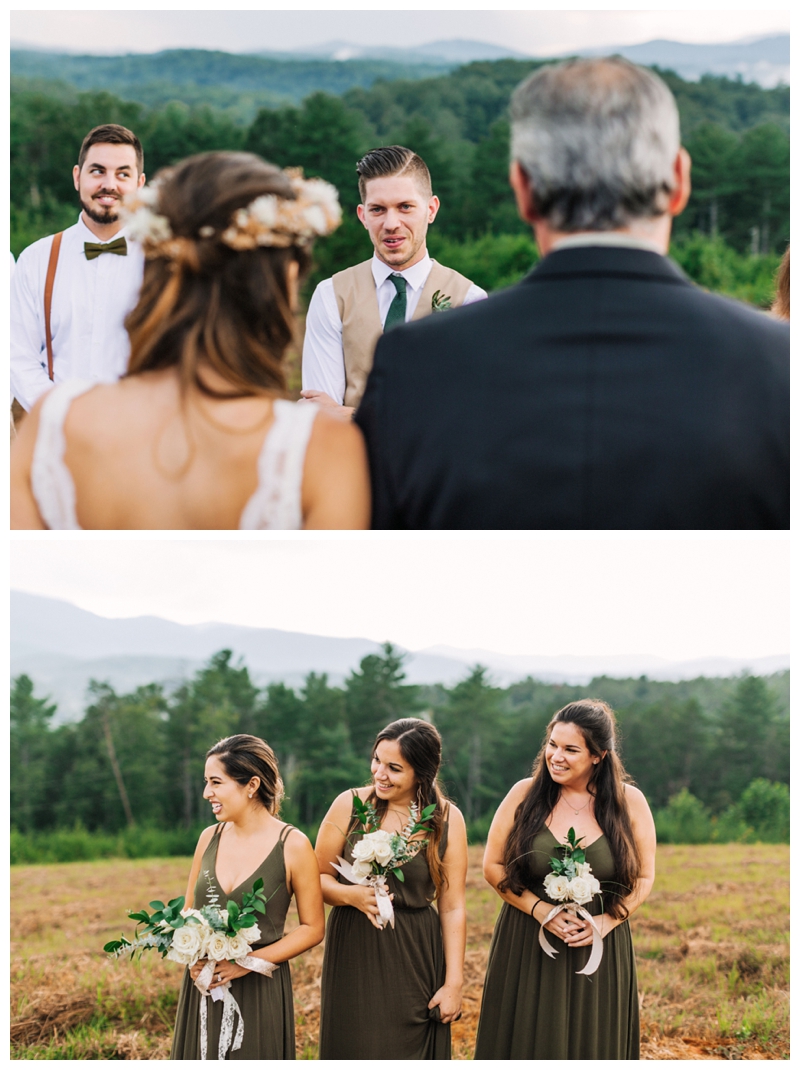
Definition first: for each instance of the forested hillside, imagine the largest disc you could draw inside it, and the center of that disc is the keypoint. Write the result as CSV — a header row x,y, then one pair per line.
x,y
696,748
729,239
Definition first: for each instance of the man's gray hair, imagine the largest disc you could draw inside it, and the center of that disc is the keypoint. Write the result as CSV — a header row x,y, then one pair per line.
x,y
598,139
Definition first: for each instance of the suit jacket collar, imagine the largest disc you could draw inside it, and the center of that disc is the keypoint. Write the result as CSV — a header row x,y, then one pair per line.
x,y
606,260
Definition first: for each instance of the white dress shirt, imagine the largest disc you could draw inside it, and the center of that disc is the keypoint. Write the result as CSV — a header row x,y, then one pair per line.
x,y
323,356
91,299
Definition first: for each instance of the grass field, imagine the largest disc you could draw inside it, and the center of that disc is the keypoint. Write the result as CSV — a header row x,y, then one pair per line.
x,y
712,948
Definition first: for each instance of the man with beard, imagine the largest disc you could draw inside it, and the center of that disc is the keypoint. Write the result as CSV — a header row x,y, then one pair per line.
x,y
89,276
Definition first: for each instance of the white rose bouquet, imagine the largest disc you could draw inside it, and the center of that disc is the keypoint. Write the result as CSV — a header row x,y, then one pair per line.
x,y
188,936
379,853
572,884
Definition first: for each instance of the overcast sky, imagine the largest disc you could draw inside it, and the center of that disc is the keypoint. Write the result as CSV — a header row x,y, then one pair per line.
x,y
677,599
530,31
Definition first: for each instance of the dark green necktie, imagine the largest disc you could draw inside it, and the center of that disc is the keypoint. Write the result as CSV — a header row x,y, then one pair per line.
x,y
93,249
397,309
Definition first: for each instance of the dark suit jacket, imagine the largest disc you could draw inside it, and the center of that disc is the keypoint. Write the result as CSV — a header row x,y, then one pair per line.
x,y
605,390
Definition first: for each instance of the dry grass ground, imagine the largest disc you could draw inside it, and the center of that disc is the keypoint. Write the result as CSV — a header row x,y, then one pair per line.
x,y
711,944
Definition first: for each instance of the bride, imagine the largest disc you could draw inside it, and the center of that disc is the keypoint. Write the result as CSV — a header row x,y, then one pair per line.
x,y
197,435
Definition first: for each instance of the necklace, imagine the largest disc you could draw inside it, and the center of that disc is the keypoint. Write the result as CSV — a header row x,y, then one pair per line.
x,y
572,808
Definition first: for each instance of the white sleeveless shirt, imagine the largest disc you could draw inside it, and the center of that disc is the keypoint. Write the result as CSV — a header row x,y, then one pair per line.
x,y
275,504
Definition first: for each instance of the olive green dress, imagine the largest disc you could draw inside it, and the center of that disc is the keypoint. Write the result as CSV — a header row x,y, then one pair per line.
x,y
266,1002
376,984
535,1007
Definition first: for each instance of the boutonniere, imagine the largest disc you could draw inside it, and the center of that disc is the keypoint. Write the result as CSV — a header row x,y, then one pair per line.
x,y
440,302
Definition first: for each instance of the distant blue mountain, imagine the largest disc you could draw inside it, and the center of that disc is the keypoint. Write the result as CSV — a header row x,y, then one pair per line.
x,y
62,647
452,53
764,60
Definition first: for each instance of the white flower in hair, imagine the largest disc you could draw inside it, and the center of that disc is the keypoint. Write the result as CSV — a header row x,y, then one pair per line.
x,y
265,210
145,225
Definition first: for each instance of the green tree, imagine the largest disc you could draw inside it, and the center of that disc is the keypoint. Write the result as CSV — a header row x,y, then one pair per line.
x,y
376,695
326,762
764,808
743,732
713,150
219,701
28,753
471,724
684,820
759,221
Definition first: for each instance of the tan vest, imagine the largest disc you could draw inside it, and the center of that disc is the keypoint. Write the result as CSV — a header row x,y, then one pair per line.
x,y
361,322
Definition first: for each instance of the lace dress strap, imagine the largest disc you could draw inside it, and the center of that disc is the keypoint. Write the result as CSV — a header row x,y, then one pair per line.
x,y
51,480
276,503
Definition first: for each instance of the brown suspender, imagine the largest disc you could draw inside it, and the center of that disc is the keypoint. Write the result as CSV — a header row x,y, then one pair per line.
x,y
52,264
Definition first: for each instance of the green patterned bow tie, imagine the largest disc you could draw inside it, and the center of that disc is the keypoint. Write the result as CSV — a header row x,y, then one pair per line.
x,y
93,249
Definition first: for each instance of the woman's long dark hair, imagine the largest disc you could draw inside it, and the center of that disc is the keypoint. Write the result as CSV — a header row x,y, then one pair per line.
x,y
597,725
421,746
212,304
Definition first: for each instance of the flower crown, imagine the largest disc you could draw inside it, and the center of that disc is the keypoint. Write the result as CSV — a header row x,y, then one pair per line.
x,y
269,220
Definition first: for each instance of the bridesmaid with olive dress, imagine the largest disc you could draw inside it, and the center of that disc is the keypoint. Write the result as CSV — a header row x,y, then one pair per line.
x,y
244,788
392,993
535,1007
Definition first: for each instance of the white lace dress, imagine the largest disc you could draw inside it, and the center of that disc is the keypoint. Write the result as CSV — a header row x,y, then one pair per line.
x,y
275,504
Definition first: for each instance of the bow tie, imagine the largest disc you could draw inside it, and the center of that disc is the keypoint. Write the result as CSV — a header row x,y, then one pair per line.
x,y
93,249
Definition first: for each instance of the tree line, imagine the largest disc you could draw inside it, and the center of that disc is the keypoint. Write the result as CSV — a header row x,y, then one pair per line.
x,y
738,217
135,761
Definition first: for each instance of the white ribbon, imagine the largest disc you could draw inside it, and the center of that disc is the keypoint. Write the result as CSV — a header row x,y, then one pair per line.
x,y
378,882
230,1008
597,939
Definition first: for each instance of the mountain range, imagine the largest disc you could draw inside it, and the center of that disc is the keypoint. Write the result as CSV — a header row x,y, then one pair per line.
x,y
337,66
762,59
61,647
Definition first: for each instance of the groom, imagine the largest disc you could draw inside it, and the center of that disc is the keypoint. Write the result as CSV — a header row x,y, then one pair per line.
x,y
349,313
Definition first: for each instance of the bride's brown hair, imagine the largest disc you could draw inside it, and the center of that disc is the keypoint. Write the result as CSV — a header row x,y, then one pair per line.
x,y
597,724
230,309
421,746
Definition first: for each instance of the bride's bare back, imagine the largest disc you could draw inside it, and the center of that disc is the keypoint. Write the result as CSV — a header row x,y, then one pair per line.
x,y
140,459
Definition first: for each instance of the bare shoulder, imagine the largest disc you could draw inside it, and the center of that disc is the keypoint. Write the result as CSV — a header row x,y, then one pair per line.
x,y
336,492
295,841
330,431
636,801
343,803
205,838
519,791
454,816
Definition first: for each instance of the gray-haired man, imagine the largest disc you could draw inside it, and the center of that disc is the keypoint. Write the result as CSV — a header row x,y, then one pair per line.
x,y
605,390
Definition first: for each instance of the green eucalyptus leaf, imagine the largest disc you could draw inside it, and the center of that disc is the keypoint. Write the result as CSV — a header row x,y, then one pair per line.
x,y
399,874
157,904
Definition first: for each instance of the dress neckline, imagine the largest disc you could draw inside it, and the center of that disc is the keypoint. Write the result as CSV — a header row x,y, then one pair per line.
x,y
585,848
218,836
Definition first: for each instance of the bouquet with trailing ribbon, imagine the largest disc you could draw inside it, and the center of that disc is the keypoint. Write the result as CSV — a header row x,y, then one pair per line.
x,y
571,883
379,853
186,936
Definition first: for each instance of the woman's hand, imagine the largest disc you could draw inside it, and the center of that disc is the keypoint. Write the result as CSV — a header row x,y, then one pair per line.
x,y
563,925
364,898
223,972
448,1000
226,971
581,935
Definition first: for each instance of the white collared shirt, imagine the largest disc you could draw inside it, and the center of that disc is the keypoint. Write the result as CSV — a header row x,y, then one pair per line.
x,y
323,356
91,299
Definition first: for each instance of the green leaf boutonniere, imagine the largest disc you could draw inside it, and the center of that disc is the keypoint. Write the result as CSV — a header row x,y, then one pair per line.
x,y
440,302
